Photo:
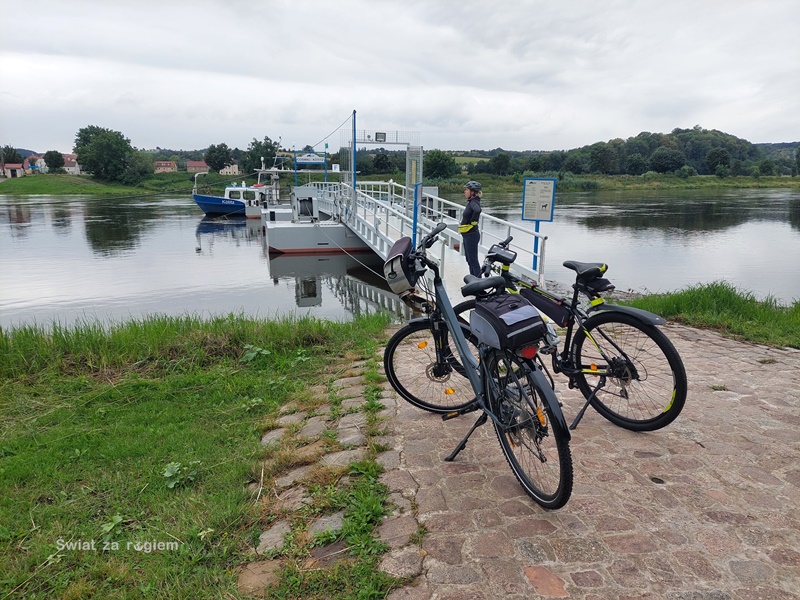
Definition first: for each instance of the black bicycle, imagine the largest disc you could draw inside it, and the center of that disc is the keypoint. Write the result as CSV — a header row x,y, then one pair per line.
x,y
440,365
624,366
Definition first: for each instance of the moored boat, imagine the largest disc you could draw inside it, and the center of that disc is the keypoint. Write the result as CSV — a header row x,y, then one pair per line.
x,y
245,200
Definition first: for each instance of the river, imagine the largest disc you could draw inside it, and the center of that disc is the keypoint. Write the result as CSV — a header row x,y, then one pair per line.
x,y
72,258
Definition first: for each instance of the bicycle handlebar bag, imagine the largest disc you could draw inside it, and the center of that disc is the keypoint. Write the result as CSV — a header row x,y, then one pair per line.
x,y
553,309
397,269
506,321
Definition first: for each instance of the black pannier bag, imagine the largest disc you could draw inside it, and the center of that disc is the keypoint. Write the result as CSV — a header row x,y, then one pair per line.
x,y
555,310
398,272
507,321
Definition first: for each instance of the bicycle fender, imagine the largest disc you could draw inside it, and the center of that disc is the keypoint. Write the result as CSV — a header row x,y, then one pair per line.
x,y
549,396
643,315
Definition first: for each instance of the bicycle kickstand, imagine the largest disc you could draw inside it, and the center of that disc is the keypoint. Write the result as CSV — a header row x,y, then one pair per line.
x,y
580,414
463,443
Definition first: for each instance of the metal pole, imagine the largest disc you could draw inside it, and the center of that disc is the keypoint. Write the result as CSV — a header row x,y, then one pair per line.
x,y
416,211
354,158
536,246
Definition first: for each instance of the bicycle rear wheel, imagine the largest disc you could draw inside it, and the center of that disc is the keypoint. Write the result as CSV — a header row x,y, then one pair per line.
x,y
438,385
535,446
645,386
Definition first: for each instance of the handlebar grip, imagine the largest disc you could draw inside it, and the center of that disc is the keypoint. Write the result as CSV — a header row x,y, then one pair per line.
x,y
506,241
430,238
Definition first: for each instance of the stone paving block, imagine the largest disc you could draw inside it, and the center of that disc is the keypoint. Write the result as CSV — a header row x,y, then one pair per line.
x,y
343,458
272,538
313,428
352,420
331,523
351,437
290,478
272,437
402,562
292,419
396,531
254,577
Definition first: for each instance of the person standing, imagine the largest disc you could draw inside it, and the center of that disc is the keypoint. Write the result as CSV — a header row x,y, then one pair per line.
x,y
468,228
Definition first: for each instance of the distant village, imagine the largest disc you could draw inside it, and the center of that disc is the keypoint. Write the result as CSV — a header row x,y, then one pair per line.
x,y
35,164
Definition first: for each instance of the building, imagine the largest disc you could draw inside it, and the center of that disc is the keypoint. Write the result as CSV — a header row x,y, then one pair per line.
x,y
230,170
196,166
14,170
165,166
72,167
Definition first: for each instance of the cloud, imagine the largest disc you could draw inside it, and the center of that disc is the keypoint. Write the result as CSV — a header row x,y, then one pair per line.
x,y
466,74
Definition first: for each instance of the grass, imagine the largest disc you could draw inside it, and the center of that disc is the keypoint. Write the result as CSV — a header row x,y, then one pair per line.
x,y
55,184
125,453
733,312
567,182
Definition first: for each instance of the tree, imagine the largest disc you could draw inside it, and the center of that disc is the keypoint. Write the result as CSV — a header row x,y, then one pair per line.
x,y
382,164
103,152
636,164
251,158
10,155
717,157
766,167
501,163
218,157
53,159
440,164
573,163
666,160
140,166
603,159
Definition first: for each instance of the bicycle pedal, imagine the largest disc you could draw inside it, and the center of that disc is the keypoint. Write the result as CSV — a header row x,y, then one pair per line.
x,y
451,415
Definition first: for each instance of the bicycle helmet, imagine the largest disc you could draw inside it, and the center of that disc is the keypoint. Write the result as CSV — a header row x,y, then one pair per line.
x,y
475,186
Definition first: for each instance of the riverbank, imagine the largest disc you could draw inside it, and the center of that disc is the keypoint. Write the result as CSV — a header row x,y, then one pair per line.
x,y
142,459
181,183
142,455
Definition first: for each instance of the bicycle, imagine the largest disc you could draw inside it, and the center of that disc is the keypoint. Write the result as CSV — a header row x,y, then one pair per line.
x,y
493,373
625,367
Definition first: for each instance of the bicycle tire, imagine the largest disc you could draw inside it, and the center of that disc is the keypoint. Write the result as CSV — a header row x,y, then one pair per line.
x,y
412,369
535,446
649,390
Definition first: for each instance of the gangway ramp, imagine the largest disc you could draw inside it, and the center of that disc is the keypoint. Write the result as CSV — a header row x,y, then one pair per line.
x,y
382,212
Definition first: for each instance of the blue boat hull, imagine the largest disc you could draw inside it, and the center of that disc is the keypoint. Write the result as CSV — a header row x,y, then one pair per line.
x,y
214,206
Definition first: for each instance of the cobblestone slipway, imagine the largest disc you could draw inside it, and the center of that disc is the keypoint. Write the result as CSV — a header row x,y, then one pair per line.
x,y
707,508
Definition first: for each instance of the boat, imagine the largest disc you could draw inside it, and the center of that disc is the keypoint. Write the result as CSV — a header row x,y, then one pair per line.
x,y
241,200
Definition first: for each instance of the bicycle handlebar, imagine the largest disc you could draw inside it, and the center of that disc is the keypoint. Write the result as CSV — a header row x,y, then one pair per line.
x,y
429,239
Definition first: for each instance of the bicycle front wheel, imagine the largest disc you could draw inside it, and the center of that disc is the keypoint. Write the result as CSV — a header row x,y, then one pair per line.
x,y
434,383
535,445
645,385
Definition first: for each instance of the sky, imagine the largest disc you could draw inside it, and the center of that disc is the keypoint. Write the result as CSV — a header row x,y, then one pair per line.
x,y
463,74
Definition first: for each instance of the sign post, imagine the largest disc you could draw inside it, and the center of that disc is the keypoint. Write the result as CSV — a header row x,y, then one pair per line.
x,y
538,203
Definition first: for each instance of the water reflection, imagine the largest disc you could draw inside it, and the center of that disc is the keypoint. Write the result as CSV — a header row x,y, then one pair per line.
x,y
116,227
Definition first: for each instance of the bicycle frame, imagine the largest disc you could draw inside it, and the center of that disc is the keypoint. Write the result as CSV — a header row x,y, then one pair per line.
x,y
473,367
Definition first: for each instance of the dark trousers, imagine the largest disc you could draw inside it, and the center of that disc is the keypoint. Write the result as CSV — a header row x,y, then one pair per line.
x,y
471,251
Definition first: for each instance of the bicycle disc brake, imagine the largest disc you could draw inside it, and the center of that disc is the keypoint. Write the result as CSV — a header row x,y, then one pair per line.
x,y
438,371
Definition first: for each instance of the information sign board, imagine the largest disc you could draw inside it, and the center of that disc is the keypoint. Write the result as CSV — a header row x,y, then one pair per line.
x,y
310,159
538,198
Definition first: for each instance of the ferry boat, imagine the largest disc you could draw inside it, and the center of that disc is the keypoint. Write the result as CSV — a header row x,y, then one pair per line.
x,y
241,200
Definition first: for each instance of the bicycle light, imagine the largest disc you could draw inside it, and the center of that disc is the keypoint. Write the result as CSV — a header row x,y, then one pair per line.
x,y
528,351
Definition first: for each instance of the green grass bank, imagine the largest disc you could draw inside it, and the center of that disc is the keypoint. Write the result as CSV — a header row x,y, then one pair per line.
x,y
181,183
126,452
733,312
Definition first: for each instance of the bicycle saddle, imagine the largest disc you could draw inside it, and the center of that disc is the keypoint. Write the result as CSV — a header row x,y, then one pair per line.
x,y
475,285
586,271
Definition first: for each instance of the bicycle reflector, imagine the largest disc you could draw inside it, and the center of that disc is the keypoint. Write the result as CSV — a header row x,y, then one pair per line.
x,y
528,351
422,345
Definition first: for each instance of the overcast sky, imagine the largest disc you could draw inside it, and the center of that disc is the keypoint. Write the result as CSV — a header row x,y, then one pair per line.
x,y
464,74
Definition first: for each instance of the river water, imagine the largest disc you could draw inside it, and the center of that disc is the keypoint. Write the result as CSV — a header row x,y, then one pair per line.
x,y
73,258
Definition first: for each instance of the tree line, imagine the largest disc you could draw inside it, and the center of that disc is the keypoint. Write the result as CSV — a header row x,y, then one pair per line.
x,y
109,156
686,152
